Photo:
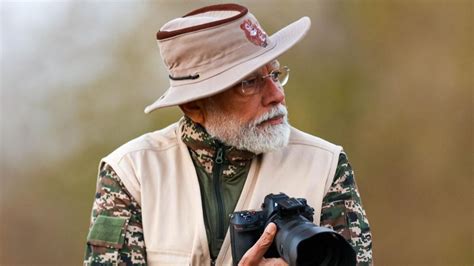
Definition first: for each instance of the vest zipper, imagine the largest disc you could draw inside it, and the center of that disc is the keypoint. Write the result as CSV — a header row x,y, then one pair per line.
x,y
217,190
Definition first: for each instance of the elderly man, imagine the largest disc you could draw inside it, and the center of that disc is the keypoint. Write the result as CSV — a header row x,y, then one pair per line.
x,y
164,198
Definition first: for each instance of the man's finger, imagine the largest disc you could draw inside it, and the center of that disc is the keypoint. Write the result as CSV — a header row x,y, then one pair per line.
x,y
255,254
273,262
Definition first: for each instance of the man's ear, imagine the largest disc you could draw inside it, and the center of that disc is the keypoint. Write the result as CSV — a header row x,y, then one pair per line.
x,y
195,111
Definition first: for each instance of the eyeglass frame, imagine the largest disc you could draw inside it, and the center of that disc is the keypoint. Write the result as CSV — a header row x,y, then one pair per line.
x,y
272,73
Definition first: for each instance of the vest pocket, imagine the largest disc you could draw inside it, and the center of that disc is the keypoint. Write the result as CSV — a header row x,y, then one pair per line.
x,y
168,258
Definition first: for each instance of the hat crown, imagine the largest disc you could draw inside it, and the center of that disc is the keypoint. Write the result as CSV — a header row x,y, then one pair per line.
x,y
209,41
198,19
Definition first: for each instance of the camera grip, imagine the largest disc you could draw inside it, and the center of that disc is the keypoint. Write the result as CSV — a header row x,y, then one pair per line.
x,y
245,229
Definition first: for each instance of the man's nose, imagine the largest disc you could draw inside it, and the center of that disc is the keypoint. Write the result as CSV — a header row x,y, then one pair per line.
x,y
273,93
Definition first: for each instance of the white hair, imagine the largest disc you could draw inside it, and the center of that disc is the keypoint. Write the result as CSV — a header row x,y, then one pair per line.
x,y
248,135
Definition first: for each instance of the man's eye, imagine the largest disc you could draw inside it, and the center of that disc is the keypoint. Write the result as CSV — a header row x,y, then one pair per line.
x,y
275,75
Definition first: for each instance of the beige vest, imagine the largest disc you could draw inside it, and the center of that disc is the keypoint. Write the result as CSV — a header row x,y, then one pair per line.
x,y
159,173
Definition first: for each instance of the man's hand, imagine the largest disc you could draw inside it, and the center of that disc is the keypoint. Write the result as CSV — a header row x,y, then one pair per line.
x,y
254,256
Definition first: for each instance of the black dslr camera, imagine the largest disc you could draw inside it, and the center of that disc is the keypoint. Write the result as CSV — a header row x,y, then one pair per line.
x,y
298,241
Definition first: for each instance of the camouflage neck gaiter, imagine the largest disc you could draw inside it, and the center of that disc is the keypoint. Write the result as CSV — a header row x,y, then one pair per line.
x,y
203,147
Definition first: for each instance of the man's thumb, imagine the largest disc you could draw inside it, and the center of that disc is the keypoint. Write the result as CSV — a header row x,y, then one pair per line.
x,y
265,240
255,254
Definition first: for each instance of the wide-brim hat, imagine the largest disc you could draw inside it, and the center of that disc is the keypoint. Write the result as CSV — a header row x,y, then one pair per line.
x,y
212,48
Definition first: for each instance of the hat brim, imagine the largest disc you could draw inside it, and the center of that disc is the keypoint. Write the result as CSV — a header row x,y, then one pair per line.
x,y
283,40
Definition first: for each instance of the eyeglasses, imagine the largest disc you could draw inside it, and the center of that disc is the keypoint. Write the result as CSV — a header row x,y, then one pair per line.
x,y
253,85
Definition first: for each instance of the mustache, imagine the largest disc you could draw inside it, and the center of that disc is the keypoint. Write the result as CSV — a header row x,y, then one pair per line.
x,y
279,110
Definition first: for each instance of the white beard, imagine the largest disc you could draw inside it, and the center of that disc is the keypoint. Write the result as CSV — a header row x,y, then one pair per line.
x,y
249,136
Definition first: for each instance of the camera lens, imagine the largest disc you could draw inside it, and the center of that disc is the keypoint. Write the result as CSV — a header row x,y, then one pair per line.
x,y
300,242
320,249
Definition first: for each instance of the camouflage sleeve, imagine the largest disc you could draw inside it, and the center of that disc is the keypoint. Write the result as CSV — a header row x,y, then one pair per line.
x,y
342,211
115,234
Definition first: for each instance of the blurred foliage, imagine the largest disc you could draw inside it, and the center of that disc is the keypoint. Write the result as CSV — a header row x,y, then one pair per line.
x,y
390,81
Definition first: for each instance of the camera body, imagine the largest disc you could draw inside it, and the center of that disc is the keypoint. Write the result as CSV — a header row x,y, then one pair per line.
x,y
247,226
298,241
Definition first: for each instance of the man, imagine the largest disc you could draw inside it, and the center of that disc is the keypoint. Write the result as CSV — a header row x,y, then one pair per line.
x,y
164,198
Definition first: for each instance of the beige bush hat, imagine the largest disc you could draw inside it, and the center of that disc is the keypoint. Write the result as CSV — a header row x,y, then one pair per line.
x,y
212,48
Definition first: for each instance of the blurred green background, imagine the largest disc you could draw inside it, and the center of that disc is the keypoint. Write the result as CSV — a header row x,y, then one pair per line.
x,y
391,81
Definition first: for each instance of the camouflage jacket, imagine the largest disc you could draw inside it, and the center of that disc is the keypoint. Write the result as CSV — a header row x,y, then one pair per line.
x,y
116,235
